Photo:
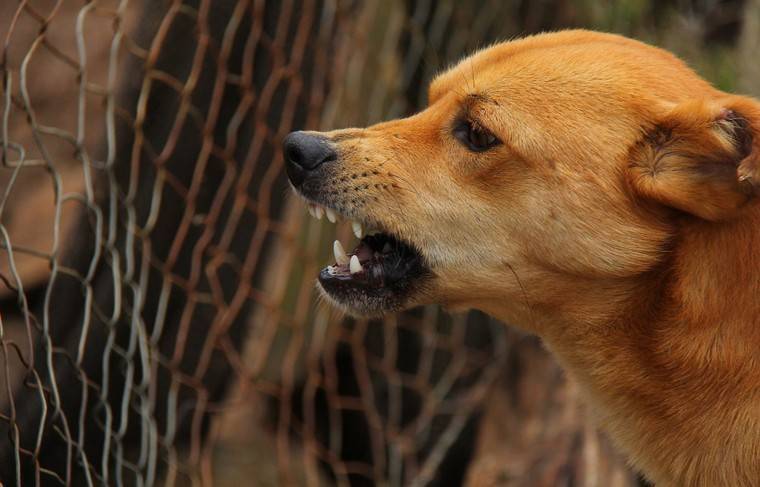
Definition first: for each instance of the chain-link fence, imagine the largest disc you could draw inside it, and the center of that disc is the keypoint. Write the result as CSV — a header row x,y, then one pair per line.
x,y
158,319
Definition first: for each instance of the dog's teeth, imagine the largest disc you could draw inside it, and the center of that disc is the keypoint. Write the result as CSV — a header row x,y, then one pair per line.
x,y
354,265
319,212
358,231
312,210
340,255
331,215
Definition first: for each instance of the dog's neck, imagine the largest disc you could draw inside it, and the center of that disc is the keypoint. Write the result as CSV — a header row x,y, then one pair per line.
x,y
676,348
700,310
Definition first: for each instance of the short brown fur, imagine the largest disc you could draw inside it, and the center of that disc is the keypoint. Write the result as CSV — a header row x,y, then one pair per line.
x,y
618,220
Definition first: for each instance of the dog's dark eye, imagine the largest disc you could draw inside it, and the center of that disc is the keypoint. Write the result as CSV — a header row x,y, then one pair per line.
x,y
475,137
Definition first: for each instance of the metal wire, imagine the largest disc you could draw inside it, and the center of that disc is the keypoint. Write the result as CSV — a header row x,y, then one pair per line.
x,y
149,133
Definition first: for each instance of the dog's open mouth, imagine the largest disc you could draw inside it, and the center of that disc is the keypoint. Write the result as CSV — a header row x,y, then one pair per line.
x,y
381,274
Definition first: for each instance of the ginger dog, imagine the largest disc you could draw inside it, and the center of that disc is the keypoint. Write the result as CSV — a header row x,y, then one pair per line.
x,y
590,189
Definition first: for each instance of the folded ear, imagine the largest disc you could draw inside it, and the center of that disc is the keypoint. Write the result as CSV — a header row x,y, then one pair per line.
x,y
701,157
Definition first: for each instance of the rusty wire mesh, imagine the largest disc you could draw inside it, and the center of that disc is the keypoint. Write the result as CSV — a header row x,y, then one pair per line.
x,y
160,282
157,314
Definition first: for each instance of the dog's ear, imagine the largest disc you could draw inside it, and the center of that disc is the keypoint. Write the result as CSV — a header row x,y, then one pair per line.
x,y
701,157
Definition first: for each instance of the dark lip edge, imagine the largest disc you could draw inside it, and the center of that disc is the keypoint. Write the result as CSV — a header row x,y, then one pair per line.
x,y
346,279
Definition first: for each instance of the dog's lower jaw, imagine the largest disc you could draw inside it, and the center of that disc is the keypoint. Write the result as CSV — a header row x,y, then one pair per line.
x,y
358,307
355,303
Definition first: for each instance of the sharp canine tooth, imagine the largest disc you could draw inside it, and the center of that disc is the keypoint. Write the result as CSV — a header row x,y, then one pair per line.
x,y
310,207
354,266
340,255
330,215
319,212
357,227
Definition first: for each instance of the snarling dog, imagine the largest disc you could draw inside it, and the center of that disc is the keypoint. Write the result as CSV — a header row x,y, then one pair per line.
x,y
590,189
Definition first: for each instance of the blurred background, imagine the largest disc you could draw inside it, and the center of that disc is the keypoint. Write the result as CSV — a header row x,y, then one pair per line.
x,y
158,320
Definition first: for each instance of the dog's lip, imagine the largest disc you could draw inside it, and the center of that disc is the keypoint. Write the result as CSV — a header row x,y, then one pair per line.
x,y
360,226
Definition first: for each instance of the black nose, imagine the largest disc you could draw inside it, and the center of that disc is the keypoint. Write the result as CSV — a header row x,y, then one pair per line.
x,y
305,152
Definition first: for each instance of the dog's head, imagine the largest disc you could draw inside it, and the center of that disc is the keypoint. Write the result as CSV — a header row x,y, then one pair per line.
x,y
538,164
